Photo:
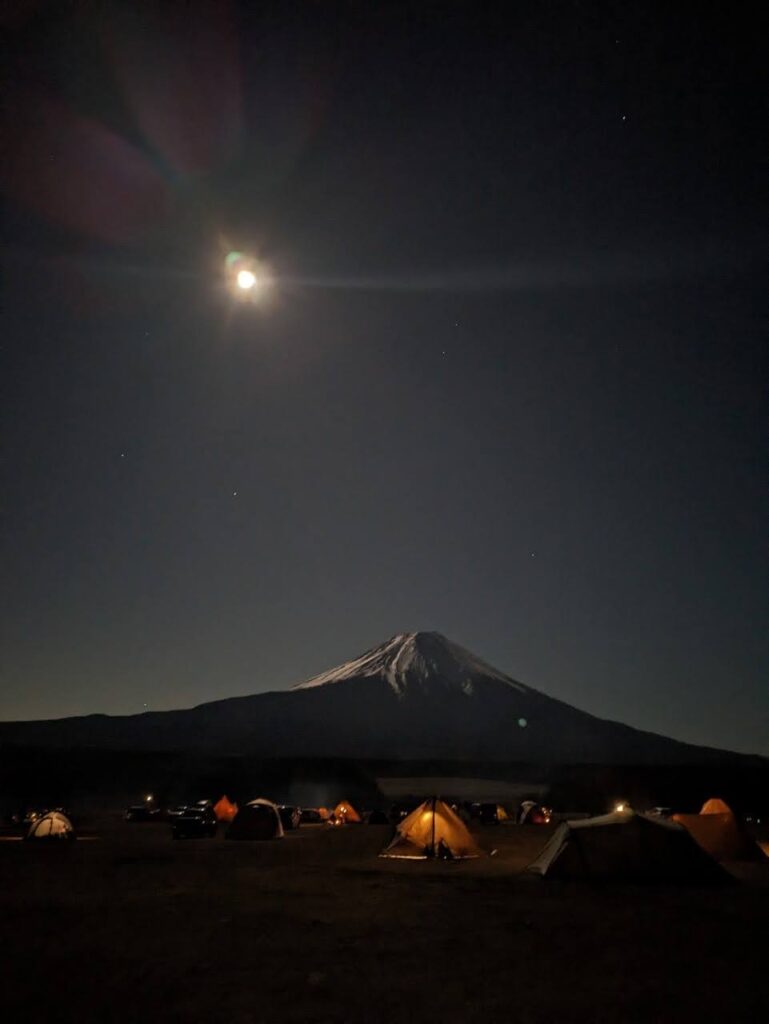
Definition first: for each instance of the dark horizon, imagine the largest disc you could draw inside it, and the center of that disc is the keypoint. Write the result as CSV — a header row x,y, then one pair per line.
x,y
510,384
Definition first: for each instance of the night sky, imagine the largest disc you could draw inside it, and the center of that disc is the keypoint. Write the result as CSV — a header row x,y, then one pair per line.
x,y
509,382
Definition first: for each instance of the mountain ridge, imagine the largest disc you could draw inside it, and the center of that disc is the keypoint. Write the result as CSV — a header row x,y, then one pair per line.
x,y
417,695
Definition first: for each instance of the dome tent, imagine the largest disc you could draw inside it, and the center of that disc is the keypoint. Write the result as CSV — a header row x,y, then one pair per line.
x,y
532,813
625,846
718,832
432,830
715,805
345,814
258,819
53,825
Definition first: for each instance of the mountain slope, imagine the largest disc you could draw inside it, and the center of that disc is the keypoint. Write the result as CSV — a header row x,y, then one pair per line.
x,y
416,696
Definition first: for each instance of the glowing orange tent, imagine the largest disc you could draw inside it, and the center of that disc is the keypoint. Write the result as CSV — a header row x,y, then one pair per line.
x,y
715,806
432,830
344,813
225,809
324,813
718,832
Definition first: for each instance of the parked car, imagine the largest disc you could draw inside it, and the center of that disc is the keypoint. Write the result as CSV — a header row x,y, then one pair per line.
x,y
194,822
399,811
290,817
31,815
310,816
141,812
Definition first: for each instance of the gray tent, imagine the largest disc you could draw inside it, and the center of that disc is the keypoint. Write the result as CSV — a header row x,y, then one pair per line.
x,y
259,819
626,846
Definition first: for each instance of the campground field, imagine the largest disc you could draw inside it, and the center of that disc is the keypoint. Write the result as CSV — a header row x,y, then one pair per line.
x,y
130,926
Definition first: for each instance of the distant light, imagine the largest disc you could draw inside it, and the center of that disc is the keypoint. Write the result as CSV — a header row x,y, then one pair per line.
x,y
522,723
246,280
149,798
621,808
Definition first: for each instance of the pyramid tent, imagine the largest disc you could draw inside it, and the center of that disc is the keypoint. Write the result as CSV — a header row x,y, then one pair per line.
x,y
625,846
258,819
225,809
502,814
344,813
432,830
53,825
719,833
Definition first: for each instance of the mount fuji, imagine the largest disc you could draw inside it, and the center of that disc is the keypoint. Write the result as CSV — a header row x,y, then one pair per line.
x,y
416,696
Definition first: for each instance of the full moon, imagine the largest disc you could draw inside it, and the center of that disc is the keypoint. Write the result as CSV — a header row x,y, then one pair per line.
x,y
246,280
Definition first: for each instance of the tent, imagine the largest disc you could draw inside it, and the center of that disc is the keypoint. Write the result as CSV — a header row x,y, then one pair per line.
x,y
258,819
324,813
225,809
432,830
718,832
53,825
502,814
345,814
625,845
532,813
715,806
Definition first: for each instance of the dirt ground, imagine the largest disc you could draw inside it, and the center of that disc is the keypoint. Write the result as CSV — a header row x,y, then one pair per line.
x,y
131,926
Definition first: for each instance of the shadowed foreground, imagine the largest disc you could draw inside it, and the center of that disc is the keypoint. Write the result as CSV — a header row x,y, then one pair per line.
x,y
132,926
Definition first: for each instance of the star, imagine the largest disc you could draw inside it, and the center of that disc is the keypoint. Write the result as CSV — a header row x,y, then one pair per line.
x,y
234,494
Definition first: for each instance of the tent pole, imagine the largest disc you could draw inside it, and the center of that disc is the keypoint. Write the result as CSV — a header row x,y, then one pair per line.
x,y
433,835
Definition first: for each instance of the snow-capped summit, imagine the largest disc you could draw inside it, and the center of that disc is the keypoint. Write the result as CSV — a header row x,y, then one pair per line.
x,y
426,662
